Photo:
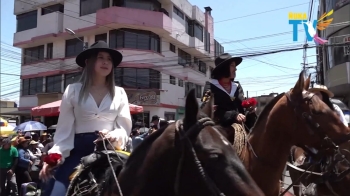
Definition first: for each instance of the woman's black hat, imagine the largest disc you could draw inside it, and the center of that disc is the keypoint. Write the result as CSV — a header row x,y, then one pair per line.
x,y
225,59
116,56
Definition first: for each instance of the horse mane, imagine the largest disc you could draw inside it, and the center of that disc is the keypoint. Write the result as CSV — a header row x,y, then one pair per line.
x,y
268,108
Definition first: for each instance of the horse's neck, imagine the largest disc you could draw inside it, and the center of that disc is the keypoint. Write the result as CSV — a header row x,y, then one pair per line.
x,y
270,149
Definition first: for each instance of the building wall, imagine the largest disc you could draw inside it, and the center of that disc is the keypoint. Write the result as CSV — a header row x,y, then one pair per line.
x,y
335,62
51,29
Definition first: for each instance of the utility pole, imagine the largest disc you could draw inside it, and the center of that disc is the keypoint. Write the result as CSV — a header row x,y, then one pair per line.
x,y
305,56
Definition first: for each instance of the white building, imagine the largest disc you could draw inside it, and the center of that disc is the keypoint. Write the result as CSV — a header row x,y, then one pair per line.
x,y
168,48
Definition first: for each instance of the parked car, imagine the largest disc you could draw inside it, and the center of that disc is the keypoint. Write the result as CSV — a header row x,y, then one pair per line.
x,y
343,107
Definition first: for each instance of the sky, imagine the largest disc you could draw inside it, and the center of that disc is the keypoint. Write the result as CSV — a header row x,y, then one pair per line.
x,y
243,27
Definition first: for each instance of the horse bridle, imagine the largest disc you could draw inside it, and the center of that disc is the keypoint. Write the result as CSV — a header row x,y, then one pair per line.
x,y
201,124
326,144
313,127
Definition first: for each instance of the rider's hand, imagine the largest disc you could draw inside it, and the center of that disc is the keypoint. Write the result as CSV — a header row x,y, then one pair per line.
x,y
107,135
30,162
46,171
240,118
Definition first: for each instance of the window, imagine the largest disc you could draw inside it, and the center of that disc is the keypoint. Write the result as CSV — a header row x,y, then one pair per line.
x,y
172,48
74,47
52,8
49,50
181,82
202,67
141,117
172,80
178,12
53,84
218,48
198,91
169,116
27,21
32,86
137,78
71,78
189,86
143,5
135,39
91,6
184,57
198,31
337,54
34,54
101,37
189,26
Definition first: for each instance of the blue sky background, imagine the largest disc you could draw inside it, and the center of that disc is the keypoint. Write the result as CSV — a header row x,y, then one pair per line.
x,y
232,26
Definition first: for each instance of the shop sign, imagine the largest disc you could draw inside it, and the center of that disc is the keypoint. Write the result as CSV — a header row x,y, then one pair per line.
x,y
143,98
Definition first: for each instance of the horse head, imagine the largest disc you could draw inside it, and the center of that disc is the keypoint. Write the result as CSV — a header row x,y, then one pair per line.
x,y
212,155
317,124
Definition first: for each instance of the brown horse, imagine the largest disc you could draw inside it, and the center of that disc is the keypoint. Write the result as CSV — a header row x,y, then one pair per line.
x,y
293,118
339,188
193,159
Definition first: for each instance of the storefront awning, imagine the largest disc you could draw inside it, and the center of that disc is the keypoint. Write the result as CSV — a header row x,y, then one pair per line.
x,y
53,109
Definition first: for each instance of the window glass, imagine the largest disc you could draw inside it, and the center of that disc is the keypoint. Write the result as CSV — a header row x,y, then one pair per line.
x,y
91,6
134,39
53,84
52,8
27,21
74,47
34,54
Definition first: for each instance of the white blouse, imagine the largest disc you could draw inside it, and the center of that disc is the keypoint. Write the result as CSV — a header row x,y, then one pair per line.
x,y
341,114
87,117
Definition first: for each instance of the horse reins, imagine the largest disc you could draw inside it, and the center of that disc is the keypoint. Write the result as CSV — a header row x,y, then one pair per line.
x,y
203,122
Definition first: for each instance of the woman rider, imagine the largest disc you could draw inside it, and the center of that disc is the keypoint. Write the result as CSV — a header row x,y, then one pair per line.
x,y
92,104
228,94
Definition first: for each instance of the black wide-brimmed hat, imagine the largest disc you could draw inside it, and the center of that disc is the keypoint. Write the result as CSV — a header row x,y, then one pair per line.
x,y
225,59
155,117
98,46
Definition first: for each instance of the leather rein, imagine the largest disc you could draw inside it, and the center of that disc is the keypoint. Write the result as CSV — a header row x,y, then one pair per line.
x,y
184,139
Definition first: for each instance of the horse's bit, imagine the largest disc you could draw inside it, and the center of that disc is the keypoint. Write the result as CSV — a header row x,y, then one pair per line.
x,y
203,122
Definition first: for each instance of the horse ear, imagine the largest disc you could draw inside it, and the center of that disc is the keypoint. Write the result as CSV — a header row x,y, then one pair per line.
x,y
191,110
299,86
307,82
208,107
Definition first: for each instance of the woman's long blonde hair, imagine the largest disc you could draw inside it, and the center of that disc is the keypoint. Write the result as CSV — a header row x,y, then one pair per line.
x,y
87,78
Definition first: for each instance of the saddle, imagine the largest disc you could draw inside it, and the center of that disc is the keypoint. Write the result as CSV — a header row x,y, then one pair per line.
x,y
89,176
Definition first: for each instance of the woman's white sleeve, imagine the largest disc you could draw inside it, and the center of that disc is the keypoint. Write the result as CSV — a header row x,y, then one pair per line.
x,y
64,135
123,123
341,115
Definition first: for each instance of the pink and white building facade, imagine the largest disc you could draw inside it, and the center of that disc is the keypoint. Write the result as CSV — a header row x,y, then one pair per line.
x,y
168,48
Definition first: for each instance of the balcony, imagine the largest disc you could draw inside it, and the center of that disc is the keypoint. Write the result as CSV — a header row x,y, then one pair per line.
x,y
26,6
48,26
338,79
122,17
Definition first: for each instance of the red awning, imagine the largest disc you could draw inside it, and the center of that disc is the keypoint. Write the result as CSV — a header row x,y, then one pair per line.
x,y
53,109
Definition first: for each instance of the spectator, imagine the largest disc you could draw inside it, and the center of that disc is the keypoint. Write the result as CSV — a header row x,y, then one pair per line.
x,y
8,162
24,162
